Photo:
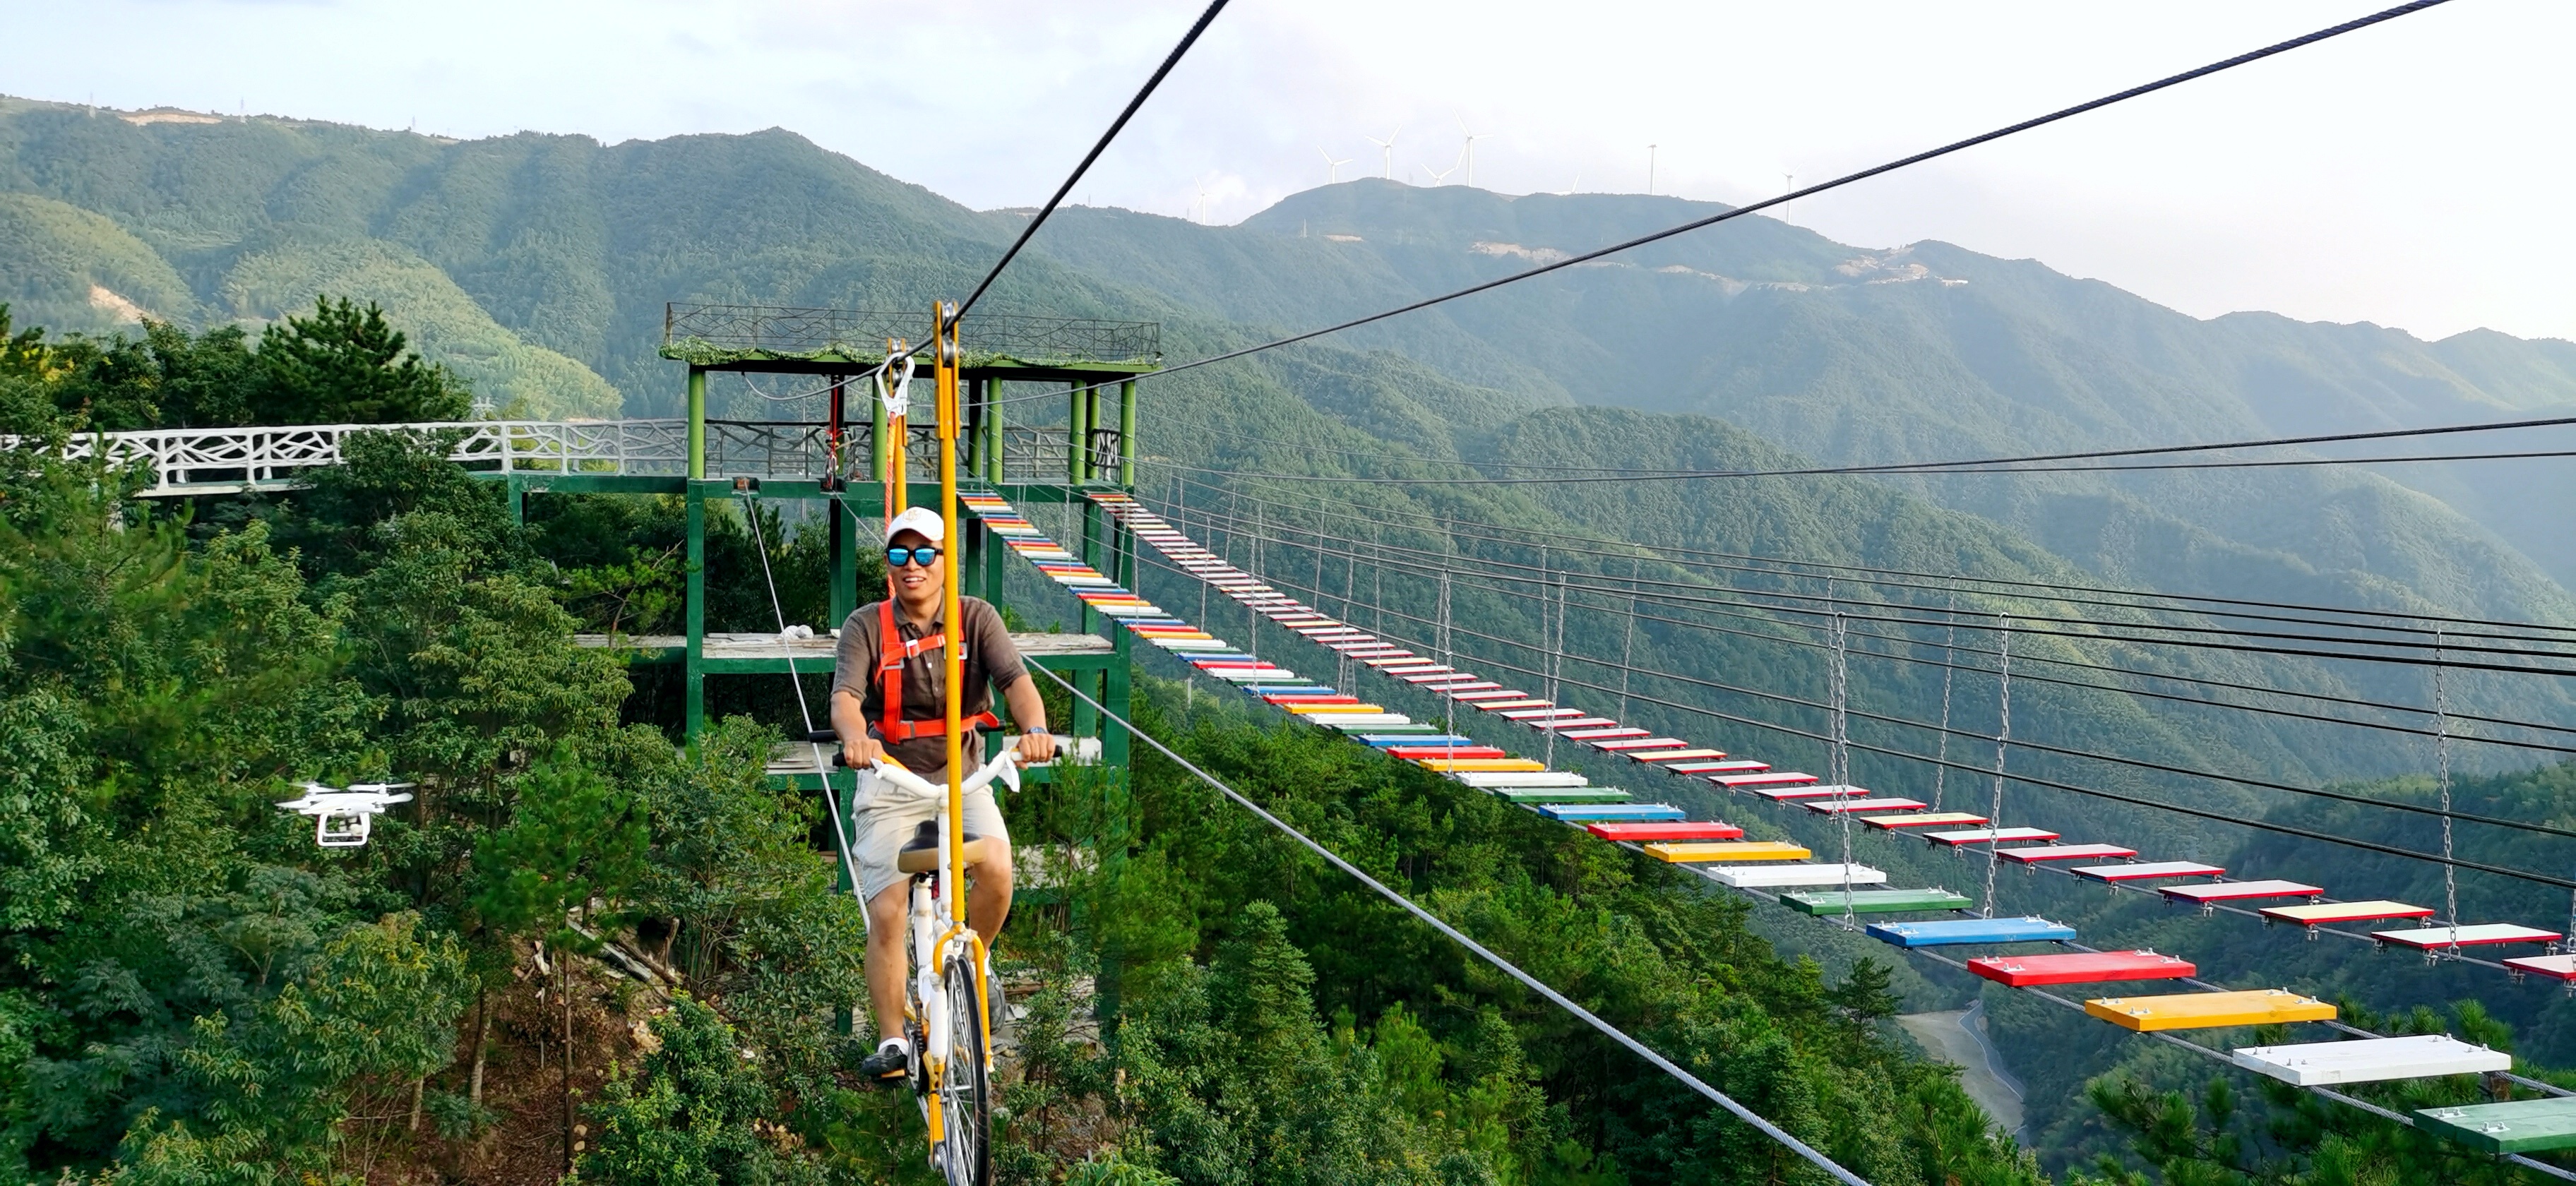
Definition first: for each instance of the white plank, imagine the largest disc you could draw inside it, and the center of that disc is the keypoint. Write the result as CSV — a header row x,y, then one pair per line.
x,y
1780,876
2372,1060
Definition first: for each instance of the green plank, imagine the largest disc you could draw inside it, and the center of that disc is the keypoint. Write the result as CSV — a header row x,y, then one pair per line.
x,y
2523,1126
1821,902
1561,794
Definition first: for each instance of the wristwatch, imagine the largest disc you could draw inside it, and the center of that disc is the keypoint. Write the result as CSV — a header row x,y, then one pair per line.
x,y
1040,731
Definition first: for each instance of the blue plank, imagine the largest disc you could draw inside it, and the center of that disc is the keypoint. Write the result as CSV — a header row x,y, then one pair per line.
x,y
1293,690
1390,740
1595,813
1943,932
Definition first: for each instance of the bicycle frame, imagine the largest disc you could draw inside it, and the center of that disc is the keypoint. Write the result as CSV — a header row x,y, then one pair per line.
x,y
937,930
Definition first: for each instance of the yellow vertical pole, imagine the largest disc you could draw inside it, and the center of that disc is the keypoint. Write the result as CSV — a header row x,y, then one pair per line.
x,y
952,656
898,442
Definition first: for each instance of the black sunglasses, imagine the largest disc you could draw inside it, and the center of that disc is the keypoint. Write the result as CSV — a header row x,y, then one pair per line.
x,y
924,556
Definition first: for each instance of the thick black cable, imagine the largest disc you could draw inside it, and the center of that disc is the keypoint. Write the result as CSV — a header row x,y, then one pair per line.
x,y
1115,126
1903,468
2033,780
1614,1033
2036,747
1836,183
1829,603
1698,599
1877,576
2085,685
1912,469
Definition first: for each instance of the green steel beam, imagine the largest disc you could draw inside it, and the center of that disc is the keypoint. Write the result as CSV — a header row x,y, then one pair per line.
x,y
694,707
1127,434
697,423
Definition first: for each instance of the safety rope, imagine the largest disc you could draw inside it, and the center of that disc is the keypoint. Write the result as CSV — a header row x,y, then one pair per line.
x,y
822,767
2003,735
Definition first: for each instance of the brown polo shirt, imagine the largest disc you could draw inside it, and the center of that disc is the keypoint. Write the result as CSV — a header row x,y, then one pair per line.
x,y
992,664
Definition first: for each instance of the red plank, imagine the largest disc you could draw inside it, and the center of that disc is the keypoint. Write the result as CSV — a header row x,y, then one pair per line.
x,y
2087,967
2236,891
2065,852
1665,831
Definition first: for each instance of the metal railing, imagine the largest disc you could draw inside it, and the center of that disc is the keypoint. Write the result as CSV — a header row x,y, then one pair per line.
x,y
187,461
276,457
863,333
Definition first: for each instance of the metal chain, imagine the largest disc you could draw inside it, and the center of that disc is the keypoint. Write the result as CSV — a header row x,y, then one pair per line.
x,y
1448,658
2003,735
2442,763
1838,763
1251,616
1555,663
1949,668
1628,640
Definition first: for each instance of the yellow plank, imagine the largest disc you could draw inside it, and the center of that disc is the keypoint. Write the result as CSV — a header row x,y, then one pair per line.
x,y
1332,708
1696,851
1483,765
2209,1010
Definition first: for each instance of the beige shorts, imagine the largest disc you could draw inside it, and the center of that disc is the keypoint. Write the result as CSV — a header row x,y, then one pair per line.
x,y
887,818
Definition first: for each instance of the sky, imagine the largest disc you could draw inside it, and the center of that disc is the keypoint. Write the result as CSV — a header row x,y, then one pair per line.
x,y
2414,174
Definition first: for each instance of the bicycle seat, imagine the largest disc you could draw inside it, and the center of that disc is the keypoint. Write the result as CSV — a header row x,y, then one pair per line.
x,y
921,853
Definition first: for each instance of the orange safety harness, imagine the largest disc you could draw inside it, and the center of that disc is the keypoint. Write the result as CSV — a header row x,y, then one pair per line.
x,y
893,728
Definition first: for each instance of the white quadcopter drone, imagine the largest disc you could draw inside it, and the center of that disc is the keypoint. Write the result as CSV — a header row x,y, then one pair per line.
x,y
342,818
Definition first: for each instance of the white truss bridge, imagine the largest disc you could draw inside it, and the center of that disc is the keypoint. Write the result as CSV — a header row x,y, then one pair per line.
x,y
185,461
276,457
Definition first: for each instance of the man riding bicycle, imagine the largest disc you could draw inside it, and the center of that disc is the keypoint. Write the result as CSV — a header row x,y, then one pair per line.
x,y
889,696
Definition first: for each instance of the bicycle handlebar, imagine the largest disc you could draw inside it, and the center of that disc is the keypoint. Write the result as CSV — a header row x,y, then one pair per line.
x,y
1004,765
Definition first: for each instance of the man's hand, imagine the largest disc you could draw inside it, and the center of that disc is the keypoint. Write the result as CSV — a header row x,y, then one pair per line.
x,y
1036,747
863,753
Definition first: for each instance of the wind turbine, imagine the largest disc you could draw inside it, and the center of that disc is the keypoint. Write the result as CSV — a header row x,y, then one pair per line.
x,y
1389,145
1332,168
1650,168
1468,151
1441,176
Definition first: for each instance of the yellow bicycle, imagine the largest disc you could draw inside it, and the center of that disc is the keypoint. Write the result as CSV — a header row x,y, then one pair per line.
x,y
947,1018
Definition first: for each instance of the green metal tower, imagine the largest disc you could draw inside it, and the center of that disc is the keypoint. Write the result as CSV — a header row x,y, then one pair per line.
x,y
1013,443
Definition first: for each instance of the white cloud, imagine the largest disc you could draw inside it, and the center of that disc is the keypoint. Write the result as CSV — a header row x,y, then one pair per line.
x,y
2410,174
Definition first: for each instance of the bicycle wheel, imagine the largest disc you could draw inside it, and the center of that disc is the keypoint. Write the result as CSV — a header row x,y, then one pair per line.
x,y
965,1100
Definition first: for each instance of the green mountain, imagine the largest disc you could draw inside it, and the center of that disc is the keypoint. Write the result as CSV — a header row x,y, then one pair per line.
x,y
537,267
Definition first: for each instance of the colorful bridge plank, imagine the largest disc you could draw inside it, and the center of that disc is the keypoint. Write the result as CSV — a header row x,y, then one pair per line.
x,y
2209,1010
2080,967
2147,871
2474,935
1989,836
1950,932
2064,852
2522,1126
1641,833
1688,852
1781,876
1908,901
2371,1060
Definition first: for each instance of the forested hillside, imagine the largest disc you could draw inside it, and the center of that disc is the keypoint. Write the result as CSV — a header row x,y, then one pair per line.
x,y
175,944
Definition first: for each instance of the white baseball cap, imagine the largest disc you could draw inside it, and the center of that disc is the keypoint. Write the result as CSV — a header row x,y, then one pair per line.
x,y
922,520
